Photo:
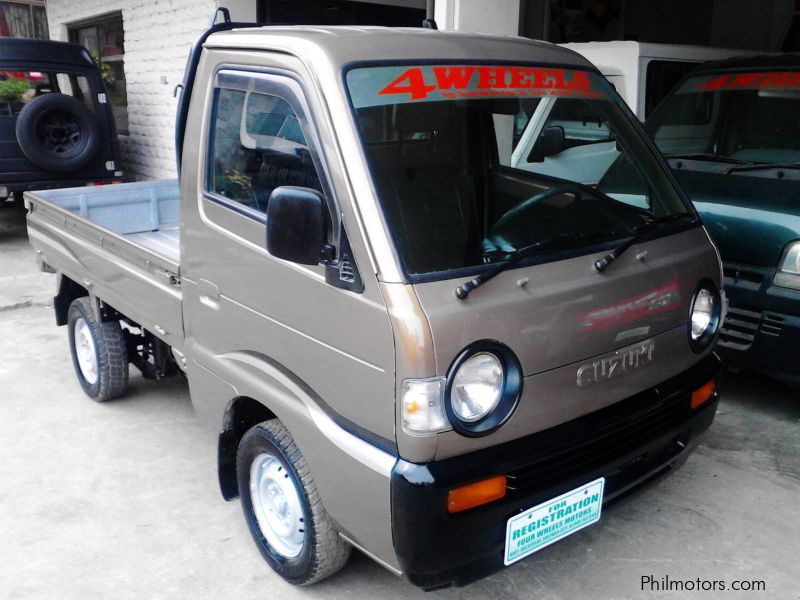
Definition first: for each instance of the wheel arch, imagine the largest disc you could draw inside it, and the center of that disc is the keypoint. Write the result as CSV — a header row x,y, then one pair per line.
x,y
241,388
68,291
242,413
266,389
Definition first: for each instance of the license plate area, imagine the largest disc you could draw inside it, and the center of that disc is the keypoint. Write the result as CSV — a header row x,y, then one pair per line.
x,y
550,521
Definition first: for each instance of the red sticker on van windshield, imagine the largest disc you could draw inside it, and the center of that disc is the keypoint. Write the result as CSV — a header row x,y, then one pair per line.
x,y
453,82
771,80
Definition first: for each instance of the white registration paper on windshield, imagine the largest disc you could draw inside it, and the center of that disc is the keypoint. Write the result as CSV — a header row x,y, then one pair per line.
x,y
375,86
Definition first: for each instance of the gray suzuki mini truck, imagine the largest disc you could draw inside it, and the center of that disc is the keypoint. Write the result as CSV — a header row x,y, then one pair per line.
x,y
406,346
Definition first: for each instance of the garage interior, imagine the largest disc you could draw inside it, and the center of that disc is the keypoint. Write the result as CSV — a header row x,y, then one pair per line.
x,y
768,25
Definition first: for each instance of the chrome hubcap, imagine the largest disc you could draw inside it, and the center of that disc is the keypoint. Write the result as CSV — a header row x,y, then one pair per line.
x,y
85,351
277,505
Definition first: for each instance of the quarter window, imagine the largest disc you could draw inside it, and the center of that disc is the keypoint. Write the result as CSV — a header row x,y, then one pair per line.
x,y
257,145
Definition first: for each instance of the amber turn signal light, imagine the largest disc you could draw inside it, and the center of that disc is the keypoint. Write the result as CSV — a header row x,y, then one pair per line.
x,y
703,394
476,494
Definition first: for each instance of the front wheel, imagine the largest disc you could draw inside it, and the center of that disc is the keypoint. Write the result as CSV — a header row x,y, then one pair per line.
x,y
283,509
99,352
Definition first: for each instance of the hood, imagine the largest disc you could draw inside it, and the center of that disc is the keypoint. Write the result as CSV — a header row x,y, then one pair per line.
x,y
751,217
562,312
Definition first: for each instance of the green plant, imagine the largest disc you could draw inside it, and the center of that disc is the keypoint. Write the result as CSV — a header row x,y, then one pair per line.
x,y
235,184
105,70
11,90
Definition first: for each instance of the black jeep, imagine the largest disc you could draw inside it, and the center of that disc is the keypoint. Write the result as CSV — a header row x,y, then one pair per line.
x,y
56,124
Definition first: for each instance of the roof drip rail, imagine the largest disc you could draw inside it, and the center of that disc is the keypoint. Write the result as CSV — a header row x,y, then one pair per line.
x,y
184,90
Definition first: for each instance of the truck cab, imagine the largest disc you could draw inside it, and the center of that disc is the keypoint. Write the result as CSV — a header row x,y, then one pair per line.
x,y
407,345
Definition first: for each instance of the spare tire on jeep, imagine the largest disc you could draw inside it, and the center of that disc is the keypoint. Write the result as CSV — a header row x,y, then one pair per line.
x,y
57,132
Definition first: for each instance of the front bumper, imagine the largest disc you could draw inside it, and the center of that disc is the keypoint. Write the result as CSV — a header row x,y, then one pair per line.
x,y
762,329
628,443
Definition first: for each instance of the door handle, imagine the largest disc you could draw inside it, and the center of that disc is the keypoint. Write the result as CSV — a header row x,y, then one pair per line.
x,y
208,294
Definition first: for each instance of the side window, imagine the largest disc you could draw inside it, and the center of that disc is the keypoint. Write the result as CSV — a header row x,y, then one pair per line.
x,y
662,77
17,89
257,145
76,86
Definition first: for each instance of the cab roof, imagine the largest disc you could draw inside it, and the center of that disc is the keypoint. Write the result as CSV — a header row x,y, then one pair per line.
x,y
25,51
339,46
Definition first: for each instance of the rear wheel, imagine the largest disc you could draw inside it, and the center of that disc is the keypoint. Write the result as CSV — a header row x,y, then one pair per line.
x,y
99,353
283,509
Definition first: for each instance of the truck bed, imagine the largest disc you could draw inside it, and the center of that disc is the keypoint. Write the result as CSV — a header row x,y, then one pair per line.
x,y
121,242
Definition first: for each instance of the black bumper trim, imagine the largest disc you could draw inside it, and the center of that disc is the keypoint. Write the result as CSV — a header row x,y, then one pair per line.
x,y
628,443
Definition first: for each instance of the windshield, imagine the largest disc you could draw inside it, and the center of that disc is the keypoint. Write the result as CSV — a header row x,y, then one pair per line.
x,y
472,163
741,117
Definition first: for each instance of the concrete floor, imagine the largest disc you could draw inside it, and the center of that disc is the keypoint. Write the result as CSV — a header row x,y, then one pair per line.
x,y
120,500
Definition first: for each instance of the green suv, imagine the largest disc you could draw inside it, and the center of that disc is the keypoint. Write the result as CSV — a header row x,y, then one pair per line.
x,y
731,134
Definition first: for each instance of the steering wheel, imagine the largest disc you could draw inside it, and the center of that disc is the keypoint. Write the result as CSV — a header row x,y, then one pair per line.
x,y
495,241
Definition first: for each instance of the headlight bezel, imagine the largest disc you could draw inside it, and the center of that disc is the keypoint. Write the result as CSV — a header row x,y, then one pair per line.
x,y
703,342
791,252
788,276
511,389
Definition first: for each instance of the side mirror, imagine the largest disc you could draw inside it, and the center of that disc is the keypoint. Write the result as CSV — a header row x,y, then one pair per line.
x,y
296,224
551,142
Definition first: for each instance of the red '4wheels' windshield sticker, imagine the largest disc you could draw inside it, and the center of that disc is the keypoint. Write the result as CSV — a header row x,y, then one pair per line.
x,y
770,80
372,86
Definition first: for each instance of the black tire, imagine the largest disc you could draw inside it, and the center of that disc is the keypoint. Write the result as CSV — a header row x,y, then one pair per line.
x,y
58,133
110,351
324,552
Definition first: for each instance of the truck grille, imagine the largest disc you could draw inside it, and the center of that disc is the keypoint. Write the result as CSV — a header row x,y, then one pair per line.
x,y
614,432
772,324
740,328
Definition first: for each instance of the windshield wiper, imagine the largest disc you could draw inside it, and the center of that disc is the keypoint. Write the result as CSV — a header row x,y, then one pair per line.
x,y
463,290
759,166
601,264
709,157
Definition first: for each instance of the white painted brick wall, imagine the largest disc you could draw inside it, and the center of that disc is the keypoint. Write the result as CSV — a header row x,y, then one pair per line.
x,y
158,36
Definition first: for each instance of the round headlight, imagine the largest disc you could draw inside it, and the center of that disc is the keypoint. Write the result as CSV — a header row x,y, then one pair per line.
x,y
477,386
704,316
482,389
702,313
